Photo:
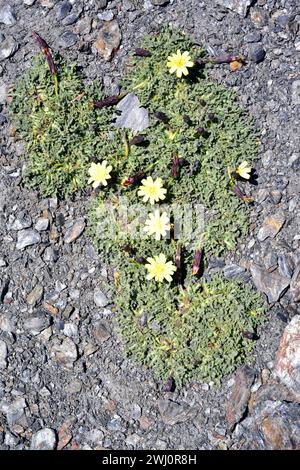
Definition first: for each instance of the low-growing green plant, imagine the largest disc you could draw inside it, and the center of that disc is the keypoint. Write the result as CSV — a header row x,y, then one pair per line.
x,y
197,333
182,170
61,131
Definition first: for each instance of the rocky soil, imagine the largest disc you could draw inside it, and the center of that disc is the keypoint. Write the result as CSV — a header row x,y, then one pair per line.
x,y
64,382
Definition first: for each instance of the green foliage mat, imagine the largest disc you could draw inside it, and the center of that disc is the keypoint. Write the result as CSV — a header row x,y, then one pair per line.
x,y
194,327
61,131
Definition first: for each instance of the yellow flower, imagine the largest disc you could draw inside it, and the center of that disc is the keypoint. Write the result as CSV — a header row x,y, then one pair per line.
x,y
99,174
171,134
157,224
244,170
179,62
160,269
152,190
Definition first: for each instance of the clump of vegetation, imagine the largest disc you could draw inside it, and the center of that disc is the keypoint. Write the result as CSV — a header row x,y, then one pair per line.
x,y
185,170
60,127
197,333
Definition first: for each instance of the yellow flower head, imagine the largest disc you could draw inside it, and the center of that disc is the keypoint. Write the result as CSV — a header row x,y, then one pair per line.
x,y
244,170
179,63
99,174
152,190
157,224
159,268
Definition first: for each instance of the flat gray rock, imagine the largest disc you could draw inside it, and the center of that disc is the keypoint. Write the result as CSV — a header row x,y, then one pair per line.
x,y
238,6
44,439
272,284
133,116
27,237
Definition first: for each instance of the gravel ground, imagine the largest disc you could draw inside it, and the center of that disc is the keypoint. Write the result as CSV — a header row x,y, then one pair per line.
x,y
63,380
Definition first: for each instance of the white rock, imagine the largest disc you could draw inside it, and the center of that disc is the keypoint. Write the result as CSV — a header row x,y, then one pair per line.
x,y
44,439
3,355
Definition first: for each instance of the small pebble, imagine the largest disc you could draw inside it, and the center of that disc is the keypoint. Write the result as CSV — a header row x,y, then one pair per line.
x,y
68,39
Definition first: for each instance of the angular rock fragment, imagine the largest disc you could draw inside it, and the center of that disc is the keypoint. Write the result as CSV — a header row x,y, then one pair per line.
x,y
272,284
44,439
108,40
287,365
75,231
295,285
27,237
239,6
240,394
173,412
133,116
271,226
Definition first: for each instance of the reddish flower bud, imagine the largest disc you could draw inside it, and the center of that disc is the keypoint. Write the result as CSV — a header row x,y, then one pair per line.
x,y
138,139
132,179
236,190
169,385
161,117
250,335
197,262
46,51
142,52
175,166
106,102
187,119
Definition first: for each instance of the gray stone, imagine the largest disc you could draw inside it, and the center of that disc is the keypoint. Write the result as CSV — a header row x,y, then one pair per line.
x,y
238,6
114,424
108,39
14,411
101,3
232,271
70,19
133,116
100,333
3,354
271,261
22,221
4,285
63,9
27,237
271,226
160,2
65,353
3,92
7,15
286,265
273,425
276,196
106,16
3,263
254,36
68,39
173,412
37,323
272,284
29,3
100,298
41,224
44,439
239,396
287,364
8,47
35,296
74,386
70,330
74,231
295,285
256,53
